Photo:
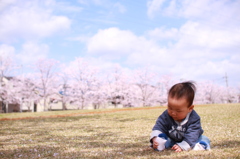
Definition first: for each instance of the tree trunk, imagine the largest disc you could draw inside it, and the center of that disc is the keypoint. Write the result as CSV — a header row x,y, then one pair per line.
x,y
45,104
6,107
64,106
20,107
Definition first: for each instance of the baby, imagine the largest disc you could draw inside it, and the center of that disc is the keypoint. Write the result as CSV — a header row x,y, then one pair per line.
x,y
179,127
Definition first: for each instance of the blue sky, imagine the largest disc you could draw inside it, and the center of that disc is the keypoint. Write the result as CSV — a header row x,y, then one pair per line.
x,y
193,40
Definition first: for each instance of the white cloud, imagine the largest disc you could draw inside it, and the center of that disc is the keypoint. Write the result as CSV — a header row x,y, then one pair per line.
x,y
209,70
197,52
204,47
203,35
153,7
120,7
201,52
5,3
28,54
215,12
28,20
31,52
210,11
7,50
125,47
199,43
164,33
112,42
116,44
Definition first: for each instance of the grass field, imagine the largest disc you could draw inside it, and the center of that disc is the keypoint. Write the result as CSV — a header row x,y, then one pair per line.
x,y
111,134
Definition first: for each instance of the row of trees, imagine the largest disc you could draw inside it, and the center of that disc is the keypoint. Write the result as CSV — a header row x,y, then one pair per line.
x,y
83,85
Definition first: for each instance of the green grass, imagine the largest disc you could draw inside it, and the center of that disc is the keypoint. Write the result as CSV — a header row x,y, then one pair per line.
x,y
122,134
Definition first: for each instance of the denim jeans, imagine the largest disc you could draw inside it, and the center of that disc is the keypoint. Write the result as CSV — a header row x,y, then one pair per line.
x,y
206,142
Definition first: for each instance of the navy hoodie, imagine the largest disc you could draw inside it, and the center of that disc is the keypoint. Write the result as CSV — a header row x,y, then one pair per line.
x,y
185,133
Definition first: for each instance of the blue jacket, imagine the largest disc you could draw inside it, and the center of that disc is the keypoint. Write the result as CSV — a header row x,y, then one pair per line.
x,y
185,133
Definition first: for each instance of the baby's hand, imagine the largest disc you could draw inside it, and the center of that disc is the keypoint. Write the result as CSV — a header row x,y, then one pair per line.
x,y
155,143
176,148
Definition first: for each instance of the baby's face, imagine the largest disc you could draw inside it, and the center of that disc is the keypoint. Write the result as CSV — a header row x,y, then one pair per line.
x,y
178,108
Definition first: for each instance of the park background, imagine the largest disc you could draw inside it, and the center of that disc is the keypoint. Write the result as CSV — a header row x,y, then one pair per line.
x,y
95,54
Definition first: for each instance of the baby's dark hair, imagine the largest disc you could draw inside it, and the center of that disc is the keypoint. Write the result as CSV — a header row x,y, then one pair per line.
x,y
184,89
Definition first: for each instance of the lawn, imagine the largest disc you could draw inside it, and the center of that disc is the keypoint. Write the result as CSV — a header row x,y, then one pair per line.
x,y
111,134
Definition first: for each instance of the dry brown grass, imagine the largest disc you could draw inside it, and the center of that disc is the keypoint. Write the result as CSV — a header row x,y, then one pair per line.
x,y
122,134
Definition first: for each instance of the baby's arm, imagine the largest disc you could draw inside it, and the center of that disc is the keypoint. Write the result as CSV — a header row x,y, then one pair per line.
x,y
160,125
191,136
159,128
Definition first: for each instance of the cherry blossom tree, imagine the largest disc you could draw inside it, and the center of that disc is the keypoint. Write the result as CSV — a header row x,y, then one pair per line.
x,y
146,82
82,85
115,82
231,95
210,93
14,92
7,94
64,87
6,66
46,79
83,81
130,94
99,95
24,91
121,88
163,86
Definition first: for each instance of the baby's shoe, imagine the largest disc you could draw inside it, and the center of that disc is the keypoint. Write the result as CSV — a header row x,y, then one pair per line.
x,y
161,143
200,146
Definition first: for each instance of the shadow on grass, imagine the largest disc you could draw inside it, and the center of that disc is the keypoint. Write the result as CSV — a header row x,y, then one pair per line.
x,y
103,144
91,150
99,146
